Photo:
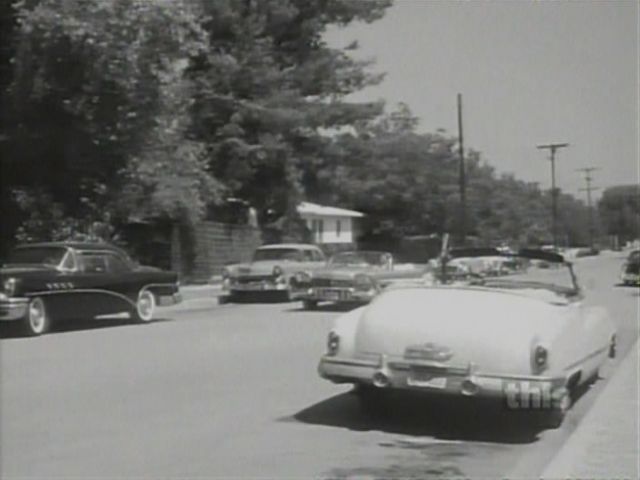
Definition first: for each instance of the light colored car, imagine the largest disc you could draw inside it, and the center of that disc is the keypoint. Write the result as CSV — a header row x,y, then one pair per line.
x,y
270,270
351,277
630,273
526,339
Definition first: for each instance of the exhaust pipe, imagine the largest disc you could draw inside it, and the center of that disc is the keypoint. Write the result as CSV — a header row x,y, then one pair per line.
x,y
380,379
469,387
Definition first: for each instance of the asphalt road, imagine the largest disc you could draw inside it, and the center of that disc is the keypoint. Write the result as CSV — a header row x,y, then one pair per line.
x,y
232,391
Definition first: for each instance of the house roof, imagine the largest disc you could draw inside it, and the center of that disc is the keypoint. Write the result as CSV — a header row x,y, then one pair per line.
x,y
307,208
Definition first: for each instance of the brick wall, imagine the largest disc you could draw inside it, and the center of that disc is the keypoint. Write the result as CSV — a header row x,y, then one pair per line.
x,y
214,246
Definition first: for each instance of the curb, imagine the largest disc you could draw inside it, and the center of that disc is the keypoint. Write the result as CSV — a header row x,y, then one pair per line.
x,y
605,444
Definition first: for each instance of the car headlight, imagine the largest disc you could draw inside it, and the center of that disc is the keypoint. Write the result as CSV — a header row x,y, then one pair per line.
x,y
278,274
363,282
333,343
302,277
539,359
9,286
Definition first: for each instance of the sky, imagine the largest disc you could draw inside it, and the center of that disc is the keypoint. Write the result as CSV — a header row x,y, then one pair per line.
x,y
530,73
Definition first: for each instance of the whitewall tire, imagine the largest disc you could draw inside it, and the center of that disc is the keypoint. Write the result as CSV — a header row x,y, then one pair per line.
x,y
145,306
37,319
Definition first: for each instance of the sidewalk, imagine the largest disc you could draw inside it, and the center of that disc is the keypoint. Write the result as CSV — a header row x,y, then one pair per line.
x,y
605,444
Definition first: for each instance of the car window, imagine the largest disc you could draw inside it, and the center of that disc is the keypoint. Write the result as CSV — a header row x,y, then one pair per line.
x,y
116,264
37,255
318,256
292,254
93,262
69,261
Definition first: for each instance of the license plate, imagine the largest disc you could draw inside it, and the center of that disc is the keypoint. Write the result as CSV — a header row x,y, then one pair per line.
x,y
427,381
330,295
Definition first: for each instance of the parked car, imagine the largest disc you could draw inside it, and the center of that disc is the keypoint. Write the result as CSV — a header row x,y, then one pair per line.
x,y
630,273
351,277
495,337
270,270
47,282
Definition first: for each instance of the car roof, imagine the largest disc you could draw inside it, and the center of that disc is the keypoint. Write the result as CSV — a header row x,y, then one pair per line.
x,y
300,246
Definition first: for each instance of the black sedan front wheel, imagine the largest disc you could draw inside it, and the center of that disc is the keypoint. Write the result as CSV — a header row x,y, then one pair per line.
x,y
37,320
145,306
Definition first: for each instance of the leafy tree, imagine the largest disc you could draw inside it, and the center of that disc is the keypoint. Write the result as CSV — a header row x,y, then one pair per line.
x,y
98,100
619,209
270,90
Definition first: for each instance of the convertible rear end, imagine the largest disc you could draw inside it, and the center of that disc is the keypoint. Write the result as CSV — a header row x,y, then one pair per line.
x,y
461,341
521,341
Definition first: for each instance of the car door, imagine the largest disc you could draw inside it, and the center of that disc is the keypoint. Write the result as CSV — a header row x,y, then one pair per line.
x,y
106,282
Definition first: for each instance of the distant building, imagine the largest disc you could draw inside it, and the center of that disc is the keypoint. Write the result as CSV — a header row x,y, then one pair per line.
x,y
329,225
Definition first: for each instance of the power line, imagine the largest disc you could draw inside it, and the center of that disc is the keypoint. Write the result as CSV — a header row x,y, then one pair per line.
x,y
589,188
552,147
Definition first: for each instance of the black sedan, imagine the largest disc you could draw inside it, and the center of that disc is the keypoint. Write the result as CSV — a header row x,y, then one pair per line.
x,y
45,282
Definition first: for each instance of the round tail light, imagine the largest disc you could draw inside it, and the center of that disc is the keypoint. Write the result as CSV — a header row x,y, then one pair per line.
x,y
540,358
333,343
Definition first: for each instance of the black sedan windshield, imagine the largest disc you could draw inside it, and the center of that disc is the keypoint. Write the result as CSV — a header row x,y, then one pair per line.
x,y
37,256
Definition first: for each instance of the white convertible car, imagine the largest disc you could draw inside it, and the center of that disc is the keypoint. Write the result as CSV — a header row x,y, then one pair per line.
x,y
525,338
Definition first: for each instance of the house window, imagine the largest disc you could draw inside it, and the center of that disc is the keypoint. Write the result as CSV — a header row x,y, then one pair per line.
x,y
338,228
320,229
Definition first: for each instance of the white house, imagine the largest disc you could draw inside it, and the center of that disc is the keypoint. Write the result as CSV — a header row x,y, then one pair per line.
x,y
329,224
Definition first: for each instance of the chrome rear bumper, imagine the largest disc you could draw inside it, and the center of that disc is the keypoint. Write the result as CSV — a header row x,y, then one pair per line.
x,y
434,378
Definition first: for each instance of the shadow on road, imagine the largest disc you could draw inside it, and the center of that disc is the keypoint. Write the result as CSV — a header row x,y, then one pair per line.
x,y
14,330
465,420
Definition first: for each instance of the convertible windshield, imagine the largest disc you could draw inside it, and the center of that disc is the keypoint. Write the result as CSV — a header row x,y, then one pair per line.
x,y
361,259
528,276
292,254
37,256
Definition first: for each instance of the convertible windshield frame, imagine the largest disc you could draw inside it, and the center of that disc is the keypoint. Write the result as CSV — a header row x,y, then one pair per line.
x,y
552,258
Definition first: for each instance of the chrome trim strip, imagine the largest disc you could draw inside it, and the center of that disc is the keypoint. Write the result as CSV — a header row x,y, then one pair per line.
x,y
587,357
83,290
100,291
351,362
507,376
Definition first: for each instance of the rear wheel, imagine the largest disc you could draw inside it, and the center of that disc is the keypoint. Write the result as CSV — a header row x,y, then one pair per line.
x,y
561,403
37,320
145,306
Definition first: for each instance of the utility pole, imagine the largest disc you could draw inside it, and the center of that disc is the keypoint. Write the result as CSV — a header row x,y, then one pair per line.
x,y
552,147
462,178
588,178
